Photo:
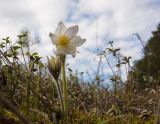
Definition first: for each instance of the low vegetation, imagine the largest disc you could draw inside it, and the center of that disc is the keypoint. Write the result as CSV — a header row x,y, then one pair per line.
x,y
32,91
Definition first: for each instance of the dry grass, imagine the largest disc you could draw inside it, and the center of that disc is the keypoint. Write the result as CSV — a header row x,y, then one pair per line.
x,y
32,95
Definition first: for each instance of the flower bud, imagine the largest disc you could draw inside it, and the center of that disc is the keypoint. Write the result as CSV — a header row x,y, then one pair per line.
x,y
54,66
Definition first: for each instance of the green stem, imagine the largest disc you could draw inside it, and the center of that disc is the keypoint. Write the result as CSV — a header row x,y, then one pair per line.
x,y
60,96
65,90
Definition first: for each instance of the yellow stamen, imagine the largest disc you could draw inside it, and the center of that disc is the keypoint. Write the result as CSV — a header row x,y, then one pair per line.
x,y
63,40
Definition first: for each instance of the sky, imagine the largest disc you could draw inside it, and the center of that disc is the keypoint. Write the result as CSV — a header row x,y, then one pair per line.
x,y
99,21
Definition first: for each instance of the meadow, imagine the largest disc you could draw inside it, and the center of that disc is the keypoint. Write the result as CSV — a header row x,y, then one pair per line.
x,y
33,92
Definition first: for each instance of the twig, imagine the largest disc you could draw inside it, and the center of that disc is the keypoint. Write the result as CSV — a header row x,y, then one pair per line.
x,y
10,106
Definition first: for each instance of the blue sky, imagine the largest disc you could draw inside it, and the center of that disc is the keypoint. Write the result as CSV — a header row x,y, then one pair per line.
x,y
100,21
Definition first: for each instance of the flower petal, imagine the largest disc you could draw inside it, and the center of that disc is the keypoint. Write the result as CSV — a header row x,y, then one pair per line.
x,y
77,41
53,38
67,50
71,50
72,31
61,29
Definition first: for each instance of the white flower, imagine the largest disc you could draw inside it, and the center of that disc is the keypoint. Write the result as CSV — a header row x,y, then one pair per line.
x,y
66,40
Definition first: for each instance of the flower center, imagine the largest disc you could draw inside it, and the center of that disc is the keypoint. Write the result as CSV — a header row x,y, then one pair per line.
x,y
63,40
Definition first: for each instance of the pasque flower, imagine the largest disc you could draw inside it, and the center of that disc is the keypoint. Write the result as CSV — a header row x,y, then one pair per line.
x,y
54,66
66,40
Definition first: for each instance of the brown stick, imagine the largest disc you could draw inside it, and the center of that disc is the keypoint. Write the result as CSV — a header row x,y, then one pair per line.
x,y
10,106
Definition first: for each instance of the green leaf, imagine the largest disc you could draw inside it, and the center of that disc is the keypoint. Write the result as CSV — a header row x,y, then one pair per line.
x,y
37,58
123,62
34,54
28,53
41,65
31,64
22,35
7,41
16,47
7,38
20,42
70,69
9,55
2,45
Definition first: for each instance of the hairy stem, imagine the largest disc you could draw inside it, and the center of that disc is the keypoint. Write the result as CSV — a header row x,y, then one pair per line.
x,y
65,90
60,96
